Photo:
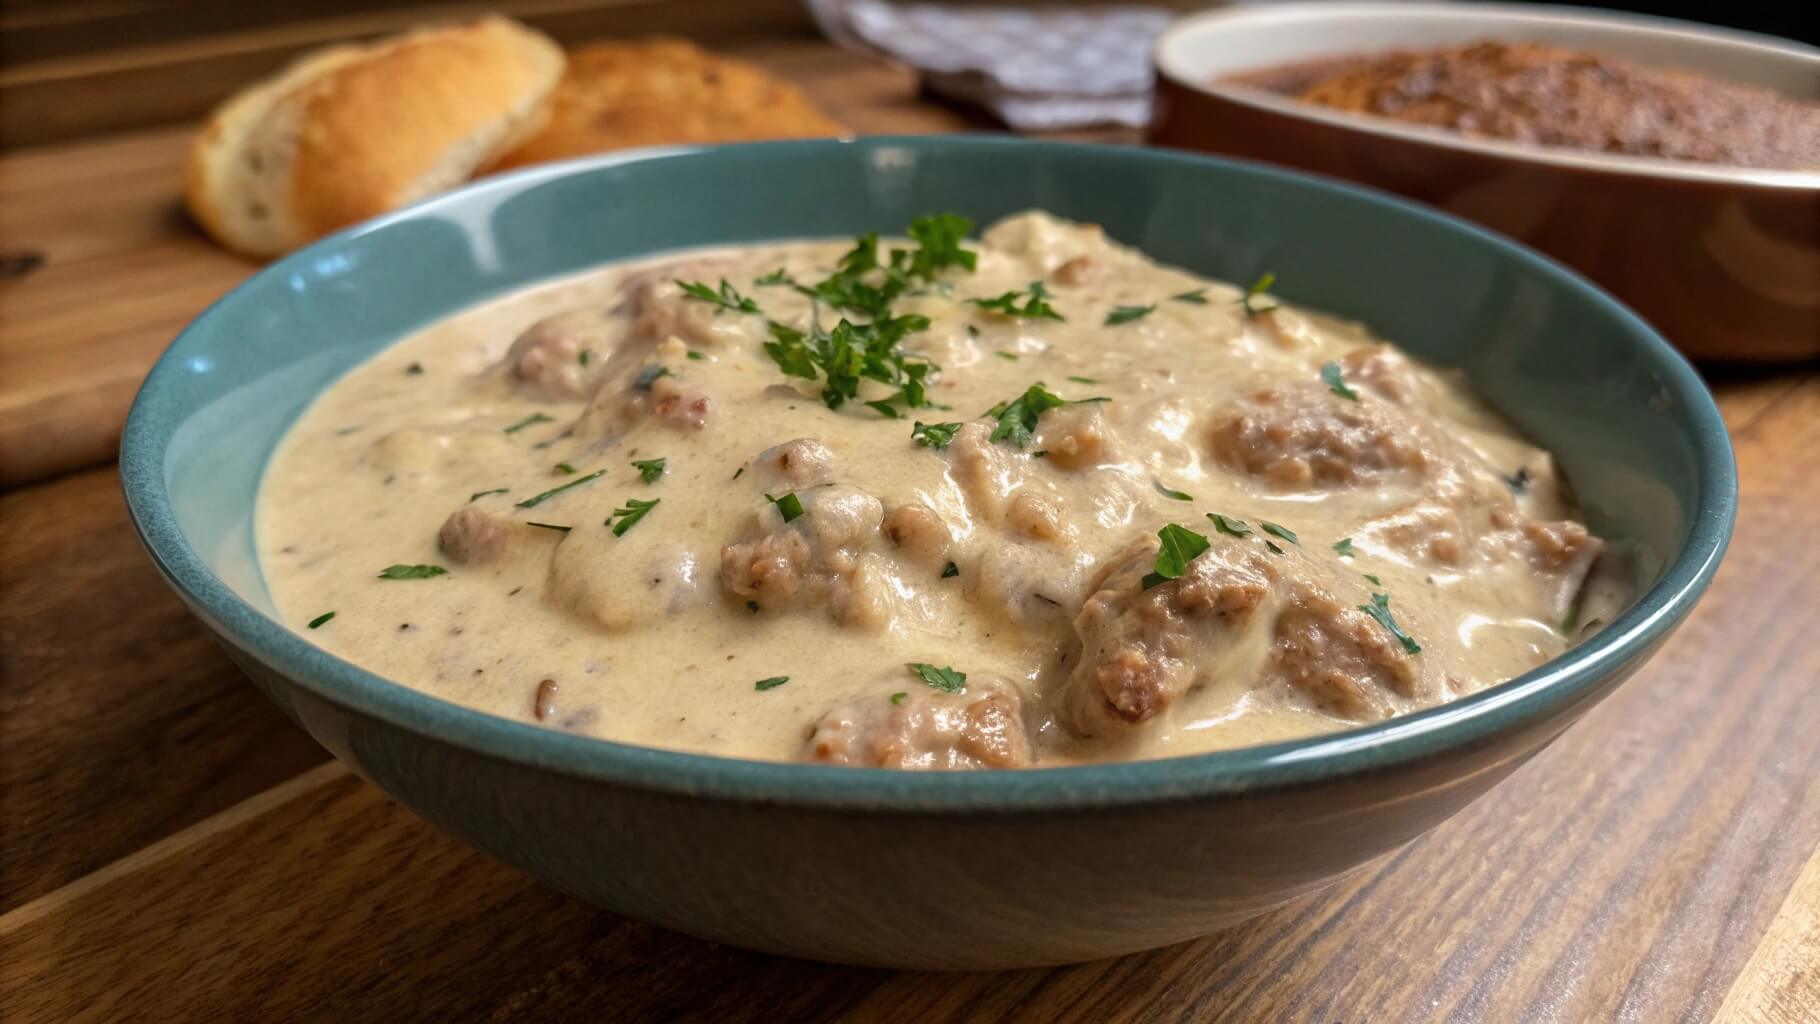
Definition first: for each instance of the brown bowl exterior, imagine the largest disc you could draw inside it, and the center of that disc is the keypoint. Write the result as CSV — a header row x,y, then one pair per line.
x,y
1729,271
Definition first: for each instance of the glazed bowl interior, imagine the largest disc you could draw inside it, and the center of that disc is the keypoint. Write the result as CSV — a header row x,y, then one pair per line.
x,y
1631,424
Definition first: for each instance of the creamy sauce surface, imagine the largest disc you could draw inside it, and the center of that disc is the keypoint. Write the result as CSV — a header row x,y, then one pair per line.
x,y
1394,498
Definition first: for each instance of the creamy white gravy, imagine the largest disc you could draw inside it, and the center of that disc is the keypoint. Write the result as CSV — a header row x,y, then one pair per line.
x,y
1032,570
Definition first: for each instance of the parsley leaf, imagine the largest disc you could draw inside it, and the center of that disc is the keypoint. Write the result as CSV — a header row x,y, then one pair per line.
x,y
1374,580
853,352
1169,493
1083,380
775,277
1017,418
1337,384
1278,531
411,572
944,679
933,435
529,421
1035,307
950,570
1344,547
938,238
770,684
648,469
549,526
628,516
1379,609
898,698
648,376
477,495
1126,314
538,499
726,298
1518,482
1258,287
584,357
319,620
564,469
788,505
1230,527
1009,357
1198,297
1180,546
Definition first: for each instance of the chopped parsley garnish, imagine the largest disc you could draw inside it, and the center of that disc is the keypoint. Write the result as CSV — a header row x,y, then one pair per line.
x,y
898,698
933,435
1379,609
1180,546
770,684
564,468
529,421
1568,622
788,505
1083,380
1277,531
649,469
1336,383
950,570
853,352
549,526
415,370
477,495
1017,418
629,515
692,354
1035,307
584,357
938,238
1126,314
1258,287
538,499
1009,357
775,277
726,298
1344,547
411,572
322,619
1198,297
1169,493
1518,482
1374,580
1230,527
944,679
741,471
648,376
1273,548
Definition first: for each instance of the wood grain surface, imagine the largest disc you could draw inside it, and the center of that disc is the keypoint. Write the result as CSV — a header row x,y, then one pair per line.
x,y
173,848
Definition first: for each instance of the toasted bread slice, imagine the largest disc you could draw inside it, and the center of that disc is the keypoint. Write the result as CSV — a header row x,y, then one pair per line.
x,y
353,131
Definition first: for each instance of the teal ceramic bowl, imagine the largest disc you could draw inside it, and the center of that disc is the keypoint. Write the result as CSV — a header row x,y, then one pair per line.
x,y
935,870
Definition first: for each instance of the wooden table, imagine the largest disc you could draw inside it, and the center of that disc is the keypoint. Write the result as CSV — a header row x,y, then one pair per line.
x,y
175,849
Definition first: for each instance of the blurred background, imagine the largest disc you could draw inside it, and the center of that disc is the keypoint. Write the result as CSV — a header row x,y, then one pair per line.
x,y
73,68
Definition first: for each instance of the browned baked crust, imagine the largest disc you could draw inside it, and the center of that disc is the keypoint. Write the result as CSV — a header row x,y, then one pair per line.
x,y
661,90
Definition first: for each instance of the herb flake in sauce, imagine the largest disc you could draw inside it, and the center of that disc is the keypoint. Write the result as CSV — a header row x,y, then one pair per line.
x,y
944,679
1171,493
1229,526
1198,297
727,297
411,572
477,495
1280,531
1379,609
1258,288
321,620
629,514
770,684
1126,314
950,570
788,505
1330,373
1036,305
1344,547
529,421
648,469
1017,418
548,526
933,435
537,499
1179,546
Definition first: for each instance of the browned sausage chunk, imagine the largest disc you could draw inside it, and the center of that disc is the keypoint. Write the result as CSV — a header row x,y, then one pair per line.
x,y
981,727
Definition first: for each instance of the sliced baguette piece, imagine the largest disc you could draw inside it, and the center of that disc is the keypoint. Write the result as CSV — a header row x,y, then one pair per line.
x,y
350,132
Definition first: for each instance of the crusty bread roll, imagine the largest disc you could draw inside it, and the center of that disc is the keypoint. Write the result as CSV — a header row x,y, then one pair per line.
x,y
353,131
660,91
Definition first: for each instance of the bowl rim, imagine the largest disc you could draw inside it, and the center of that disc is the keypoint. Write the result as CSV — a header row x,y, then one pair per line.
x,y
1468,722
1166,58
